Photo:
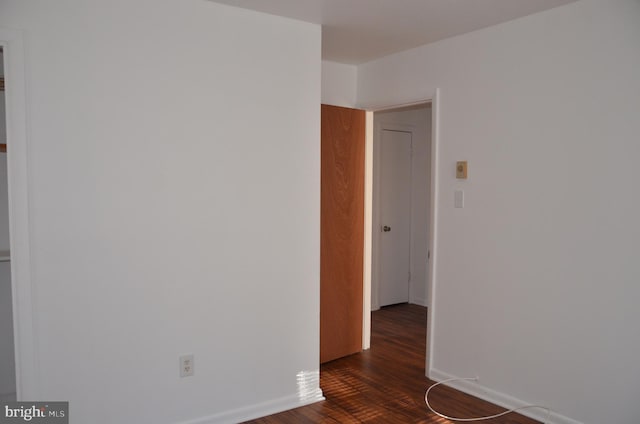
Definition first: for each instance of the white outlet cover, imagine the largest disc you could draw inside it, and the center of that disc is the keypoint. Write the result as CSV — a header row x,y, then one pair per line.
x,y
186,365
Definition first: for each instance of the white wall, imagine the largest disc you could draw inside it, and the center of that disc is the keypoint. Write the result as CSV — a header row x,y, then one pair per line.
x,y
418,119
7,364
339,84
537,277
174,192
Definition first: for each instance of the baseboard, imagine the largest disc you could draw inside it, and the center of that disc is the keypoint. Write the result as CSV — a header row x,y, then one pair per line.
x,y
259,410
419,301
476,389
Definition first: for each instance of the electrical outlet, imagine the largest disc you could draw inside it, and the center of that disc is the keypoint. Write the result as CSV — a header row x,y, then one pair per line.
x,y
186,365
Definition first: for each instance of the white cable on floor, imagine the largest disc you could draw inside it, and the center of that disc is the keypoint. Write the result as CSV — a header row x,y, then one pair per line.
x,y
488,417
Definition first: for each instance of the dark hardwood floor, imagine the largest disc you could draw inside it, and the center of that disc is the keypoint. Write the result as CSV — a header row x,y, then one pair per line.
x,y
386,384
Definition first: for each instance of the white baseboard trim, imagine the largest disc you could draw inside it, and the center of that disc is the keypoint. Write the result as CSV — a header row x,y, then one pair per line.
x,y
418,301
259,410
476,389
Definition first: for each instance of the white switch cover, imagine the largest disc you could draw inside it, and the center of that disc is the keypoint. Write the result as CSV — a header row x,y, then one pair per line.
x,y
186,365
458,199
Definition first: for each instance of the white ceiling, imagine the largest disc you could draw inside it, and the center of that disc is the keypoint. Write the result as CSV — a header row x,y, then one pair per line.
x,y
357,31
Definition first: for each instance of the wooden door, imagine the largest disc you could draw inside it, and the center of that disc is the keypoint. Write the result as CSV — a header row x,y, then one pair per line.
x,y
395,217
341,231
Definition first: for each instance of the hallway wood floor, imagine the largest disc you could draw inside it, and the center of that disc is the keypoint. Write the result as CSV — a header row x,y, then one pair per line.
x,y
386,384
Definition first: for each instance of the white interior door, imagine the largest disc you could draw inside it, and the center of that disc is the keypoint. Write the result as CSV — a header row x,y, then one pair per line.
x,y
395,217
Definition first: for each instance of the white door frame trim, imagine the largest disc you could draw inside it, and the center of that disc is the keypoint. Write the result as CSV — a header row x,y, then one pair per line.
x,y
368,225
434,99
433,233
24,332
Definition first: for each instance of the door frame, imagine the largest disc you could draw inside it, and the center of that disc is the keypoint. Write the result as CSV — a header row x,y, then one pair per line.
x,y
24,333
433,98
375,248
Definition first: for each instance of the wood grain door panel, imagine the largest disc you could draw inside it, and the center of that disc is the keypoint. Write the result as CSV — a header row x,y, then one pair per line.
x,y
341,231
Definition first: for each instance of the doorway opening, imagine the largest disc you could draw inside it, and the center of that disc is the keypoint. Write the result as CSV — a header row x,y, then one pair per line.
x,y
423,135
401,206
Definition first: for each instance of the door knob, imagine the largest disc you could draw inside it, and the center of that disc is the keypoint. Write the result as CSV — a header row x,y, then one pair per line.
x,y
386,228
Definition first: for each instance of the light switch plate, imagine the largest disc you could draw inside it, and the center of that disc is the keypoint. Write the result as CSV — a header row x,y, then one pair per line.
x,y
458,199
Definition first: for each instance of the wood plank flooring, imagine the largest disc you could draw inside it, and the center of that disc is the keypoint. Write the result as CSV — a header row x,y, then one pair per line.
x,y
386,384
